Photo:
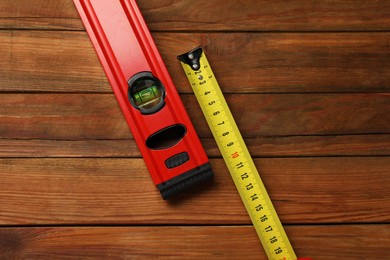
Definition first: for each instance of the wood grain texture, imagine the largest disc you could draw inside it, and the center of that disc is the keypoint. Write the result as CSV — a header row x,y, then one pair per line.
x,y
39,14
214,15
264,146
307,81
120,191
243,62
347,242
97,116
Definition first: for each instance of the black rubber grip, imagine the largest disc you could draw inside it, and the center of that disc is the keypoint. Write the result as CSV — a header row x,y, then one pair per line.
x,y
177,160
185,180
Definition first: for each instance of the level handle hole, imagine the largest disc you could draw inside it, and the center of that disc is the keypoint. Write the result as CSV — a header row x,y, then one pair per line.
x,y
166,137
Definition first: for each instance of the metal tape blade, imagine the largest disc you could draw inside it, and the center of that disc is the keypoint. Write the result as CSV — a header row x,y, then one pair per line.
x,y
236,155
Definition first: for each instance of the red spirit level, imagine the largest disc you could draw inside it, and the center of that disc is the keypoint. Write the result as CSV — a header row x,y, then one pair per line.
x,y
152,107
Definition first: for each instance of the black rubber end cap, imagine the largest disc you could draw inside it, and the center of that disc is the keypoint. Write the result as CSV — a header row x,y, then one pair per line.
x,y
185,180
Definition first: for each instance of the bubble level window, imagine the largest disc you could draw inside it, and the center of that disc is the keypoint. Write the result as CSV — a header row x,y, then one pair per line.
x,y
146,93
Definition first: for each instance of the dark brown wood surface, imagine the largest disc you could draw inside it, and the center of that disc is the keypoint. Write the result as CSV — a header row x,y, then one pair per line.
x,y
307,81
245,62
188,242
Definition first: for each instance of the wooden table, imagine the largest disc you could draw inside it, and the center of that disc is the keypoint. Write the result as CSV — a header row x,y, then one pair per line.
x,y
307,81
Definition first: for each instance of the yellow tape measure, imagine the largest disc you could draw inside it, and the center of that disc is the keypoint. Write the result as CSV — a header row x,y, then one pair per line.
x,y
236,155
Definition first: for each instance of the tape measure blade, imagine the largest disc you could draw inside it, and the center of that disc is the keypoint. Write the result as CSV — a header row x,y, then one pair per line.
x,y
252,166
236,155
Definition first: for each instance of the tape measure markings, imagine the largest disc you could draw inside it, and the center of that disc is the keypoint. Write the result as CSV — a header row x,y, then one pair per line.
x,y
236,156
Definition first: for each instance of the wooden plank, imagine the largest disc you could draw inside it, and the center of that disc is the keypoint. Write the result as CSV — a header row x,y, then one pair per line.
x,y
306,15
97,116
40,23
39,14
243,62
38,61
37,9
219,242
267,146
120,191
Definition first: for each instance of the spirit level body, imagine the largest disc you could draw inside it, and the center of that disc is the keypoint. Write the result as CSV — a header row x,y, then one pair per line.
x,y
146,94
